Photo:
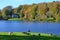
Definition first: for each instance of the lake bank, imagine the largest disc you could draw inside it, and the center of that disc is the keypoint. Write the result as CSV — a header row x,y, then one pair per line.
x,y
31,36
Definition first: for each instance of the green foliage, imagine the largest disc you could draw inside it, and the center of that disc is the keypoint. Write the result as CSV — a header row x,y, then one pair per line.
x,y
6,12
58,18
15,19
50,19
35,12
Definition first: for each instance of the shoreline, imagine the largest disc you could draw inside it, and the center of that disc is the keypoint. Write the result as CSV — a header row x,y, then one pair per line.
x,y
31,36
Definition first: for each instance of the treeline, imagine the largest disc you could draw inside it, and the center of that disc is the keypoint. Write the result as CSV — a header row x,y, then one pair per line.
x,y
35,12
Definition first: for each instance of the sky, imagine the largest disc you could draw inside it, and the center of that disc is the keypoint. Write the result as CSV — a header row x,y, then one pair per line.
x,y
16,3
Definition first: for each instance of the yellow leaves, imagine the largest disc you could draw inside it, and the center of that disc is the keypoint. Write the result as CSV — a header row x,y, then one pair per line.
x,y
26,12
39,12
29,9
31,16
53,7
58,18
3,13
42,8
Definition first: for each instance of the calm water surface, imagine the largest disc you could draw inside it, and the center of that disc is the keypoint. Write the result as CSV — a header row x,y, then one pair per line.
x,y
20,26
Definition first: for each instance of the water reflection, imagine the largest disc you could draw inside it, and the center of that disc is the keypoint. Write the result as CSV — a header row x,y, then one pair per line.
x,y
20,26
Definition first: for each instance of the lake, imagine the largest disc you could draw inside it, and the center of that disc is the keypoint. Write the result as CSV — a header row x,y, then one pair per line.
x,y
21,26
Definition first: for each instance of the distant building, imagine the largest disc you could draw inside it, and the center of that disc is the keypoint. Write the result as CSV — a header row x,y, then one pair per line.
x,y
15,16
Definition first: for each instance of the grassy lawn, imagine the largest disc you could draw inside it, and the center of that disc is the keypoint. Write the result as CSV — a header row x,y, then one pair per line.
x,y
30,36
15,19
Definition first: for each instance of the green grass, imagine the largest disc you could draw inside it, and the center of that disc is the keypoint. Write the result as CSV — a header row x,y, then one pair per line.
x,y
31,36
15,19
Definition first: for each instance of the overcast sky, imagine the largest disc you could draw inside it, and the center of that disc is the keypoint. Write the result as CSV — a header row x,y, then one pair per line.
x,y
16,3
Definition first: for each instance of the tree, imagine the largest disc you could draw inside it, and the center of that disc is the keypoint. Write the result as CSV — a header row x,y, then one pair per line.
x,y
42,8
7,12
0,15
32,12
58,18
41,11
53,8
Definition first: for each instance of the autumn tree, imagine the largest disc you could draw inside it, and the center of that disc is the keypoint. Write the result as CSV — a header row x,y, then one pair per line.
x,y
41,11
53,8
58,18
42,8
35,12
